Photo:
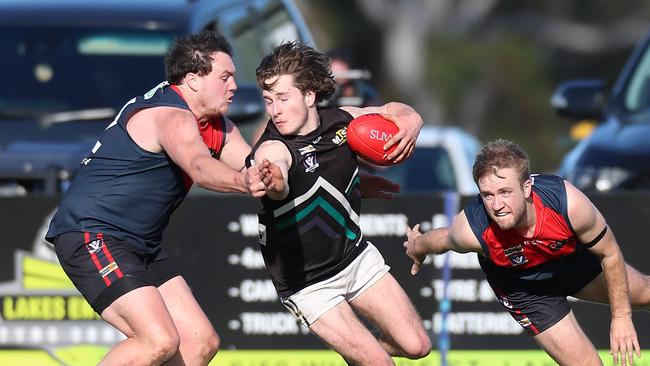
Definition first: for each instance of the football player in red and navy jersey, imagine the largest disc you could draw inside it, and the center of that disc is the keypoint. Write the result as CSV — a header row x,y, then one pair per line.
x,y
108,229
539,239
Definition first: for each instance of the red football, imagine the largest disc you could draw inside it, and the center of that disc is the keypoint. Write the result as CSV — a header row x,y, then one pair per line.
x,y
367,135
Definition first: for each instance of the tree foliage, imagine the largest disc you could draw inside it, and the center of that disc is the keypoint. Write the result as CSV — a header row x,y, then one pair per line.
x,y
488,66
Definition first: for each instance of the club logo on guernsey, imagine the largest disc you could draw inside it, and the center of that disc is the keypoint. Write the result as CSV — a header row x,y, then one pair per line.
x,y
310,162
94,246
516,255
341,136
557,245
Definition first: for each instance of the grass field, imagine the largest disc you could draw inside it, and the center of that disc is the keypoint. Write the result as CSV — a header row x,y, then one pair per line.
x,y
90,355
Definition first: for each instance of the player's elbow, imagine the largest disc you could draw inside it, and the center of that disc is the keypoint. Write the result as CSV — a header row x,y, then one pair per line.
x,y
203,175
197,174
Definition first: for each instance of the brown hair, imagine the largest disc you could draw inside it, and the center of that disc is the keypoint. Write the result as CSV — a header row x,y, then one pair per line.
x,y
192,53
310,69
501,154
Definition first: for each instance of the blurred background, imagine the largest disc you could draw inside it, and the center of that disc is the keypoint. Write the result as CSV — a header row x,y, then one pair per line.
x,y
488,66
476,70
568,80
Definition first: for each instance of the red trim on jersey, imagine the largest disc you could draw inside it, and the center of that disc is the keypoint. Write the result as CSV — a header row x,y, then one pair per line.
x,y
212,133
552,239
177,90
95,260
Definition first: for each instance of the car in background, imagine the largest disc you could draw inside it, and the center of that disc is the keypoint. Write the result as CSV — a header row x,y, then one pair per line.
x,y
616,155
441,161
69,66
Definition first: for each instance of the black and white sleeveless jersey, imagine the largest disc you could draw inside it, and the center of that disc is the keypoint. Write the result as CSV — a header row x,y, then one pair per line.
x,y
313,233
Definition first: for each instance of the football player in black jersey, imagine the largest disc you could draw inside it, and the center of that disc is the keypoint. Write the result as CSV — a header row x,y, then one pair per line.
x,y
323,269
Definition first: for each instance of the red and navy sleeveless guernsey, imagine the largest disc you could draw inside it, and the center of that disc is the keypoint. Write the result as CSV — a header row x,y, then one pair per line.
x,y
313,233
507,253
125,191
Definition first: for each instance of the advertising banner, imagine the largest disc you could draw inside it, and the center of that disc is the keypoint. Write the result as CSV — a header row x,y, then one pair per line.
x,y
214,241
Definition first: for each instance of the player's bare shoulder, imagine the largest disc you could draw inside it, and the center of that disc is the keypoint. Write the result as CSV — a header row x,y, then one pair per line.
x,y
160,118
146,126
165,126
583,215
273,150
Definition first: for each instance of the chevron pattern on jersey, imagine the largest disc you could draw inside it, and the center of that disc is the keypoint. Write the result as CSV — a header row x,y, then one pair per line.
x,y
318,222
319,201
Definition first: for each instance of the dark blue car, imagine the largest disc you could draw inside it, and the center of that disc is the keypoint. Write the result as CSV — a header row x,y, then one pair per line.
x,y
616,155
68,66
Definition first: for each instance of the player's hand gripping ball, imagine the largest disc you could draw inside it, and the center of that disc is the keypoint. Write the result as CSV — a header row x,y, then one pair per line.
x,y
367,135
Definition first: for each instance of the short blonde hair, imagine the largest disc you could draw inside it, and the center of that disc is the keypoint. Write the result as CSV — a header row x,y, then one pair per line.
x,y
501,154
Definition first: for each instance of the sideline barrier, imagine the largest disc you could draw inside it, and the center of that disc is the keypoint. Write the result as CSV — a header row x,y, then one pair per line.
x,y
214,241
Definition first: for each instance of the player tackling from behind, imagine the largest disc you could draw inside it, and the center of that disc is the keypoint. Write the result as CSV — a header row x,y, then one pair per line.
x,y
322,267
108,229
539,239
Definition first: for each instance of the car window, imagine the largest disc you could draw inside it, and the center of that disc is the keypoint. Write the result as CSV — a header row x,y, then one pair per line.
x,y
428,169
254,30
65,83
63,69
637,95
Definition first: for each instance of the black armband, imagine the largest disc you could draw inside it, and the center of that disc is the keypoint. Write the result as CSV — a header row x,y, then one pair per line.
x,y
598,238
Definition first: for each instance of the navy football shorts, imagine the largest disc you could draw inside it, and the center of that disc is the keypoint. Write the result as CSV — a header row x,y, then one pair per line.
x,y
103,267
538,305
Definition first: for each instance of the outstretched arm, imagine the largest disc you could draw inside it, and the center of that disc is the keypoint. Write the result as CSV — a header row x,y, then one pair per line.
x,y
176,133
418,246
406,118
589,224
458,238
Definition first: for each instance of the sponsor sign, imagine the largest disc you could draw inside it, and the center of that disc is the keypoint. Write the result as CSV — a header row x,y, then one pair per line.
x,y
214,240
